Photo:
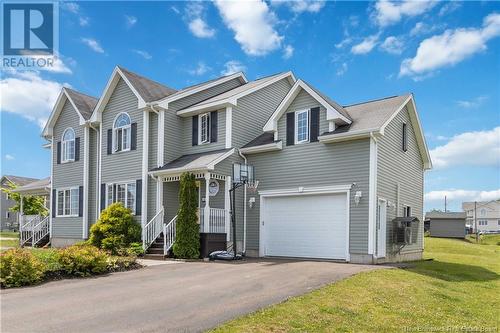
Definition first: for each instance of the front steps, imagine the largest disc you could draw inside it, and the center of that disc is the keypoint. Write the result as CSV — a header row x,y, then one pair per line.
x,y
155,251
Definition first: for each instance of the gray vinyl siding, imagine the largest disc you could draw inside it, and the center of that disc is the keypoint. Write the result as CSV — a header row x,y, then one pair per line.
x,y
9,223
67,174
253,111
170,199
121,166
406,168
92,176
451,228
187,131
314,164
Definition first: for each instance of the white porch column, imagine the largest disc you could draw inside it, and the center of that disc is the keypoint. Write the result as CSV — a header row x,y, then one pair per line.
x,y
227,207
86,160
206,222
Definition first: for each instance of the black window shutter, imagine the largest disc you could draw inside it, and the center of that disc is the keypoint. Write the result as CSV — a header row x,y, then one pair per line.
x,y
58,152
290,129
119,138
138,197
114,192
195,131
213,126
54,200
103,196
133,136
110,141
80,201
77,149
314,125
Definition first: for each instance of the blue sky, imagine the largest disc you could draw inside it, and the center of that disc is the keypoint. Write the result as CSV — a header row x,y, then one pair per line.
x,y
446,53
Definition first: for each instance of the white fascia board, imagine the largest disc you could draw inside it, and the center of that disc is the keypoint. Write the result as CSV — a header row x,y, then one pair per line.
x,y
110,87
211,165
169,99
233,100
175,171
56,111
262,148
349,135
306,190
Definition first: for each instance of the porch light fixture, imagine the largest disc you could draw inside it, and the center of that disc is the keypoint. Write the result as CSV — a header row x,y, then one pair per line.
x,y
357,197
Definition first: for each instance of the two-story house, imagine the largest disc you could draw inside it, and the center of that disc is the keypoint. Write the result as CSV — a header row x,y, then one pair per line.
x,y
332,178
483,215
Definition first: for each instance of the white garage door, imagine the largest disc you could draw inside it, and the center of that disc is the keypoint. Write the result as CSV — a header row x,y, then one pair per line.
x,y
311,226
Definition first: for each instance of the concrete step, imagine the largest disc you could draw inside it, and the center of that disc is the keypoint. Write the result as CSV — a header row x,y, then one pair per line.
x,y
154,256
156,250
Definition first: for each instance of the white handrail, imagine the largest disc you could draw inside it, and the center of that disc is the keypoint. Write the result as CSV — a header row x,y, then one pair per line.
x,y
26,225
217,220
40,230
153,229
169,235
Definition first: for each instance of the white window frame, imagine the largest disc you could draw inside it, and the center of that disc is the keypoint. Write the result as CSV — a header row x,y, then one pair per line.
x,y
70,189
200,128
122,183
297,113
65,145
405,209
483,223
126,140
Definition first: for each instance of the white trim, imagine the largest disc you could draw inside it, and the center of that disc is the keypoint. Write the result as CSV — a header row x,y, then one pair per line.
x,y
331,113
376,253
64,146
296,134
86,183
232,100
200,129
99,177
98,173
263,148
145,155
70,188
161,138
219,159
123,128
56,111
125,183
351,135
304,191
229,126
372,196
182,94
51,189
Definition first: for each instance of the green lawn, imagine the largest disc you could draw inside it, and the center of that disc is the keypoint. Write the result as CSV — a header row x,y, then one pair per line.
x,y
9,234
9,242
485,239
459,288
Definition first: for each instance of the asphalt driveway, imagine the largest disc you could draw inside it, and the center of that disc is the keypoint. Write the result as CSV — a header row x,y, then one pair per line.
x,y
187,297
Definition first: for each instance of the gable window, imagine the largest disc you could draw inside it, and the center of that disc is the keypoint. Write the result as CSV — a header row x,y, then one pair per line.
x,y
406,211
68,145
405,137
122,192
301,126
204,128
67,202
121,133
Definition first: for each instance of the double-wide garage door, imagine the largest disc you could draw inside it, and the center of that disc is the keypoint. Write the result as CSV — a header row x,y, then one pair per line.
x,y
310,226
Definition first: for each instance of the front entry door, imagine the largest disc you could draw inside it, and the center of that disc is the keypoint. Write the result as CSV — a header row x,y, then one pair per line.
x,y
381,227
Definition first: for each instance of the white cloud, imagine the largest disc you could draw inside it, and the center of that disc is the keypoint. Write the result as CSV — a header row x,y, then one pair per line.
x,y
422,28
481,148
393,45
389,12
449,7
233,66
195,18
451,47
253,25
366,45
130,21
74,8
459,195
84,21
200,69
144,54
342,69
288,52
473,103
301,6
346,41
29,95
9,157
93,44
175,10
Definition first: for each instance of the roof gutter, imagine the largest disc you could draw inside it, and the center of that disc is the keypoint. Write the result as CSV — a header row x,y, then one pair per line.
x,y
329,138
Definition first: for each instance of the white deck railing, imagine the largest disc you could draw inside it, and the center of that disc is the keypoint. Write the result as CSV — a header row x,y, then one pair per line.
x,y
26,224
217,220
40,230
152,230
169,234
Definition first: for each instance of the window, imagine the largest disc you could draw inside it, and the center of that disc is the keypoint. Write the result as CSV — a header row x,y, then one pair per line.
x,y
67,202
123,192
482,212
68,145
7,215
302,126
204,128
483,222
406,211
122,133
498,222
405,137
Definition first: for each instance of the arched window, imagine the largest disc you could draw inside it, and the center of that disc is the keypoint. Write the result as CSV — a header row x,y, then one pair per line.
x,y
483,212
121,133
68,145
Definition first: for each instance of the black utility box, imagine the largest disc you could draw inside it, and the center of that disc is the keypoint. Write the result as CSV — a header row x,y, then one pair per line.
x,y
210,242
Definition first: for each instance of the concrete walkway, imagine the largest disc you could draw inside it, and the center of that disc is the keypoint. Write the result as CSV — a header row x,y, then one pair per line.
x,y
188,297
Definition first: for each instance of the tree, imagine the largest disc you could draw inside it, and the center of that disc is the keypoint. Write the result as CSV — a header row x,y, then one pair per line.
x,y
187,235
32,205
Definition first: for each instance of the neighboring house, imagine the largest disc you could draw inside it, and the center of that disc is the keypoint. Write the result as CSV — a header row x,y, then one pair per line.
x,y
447,225
331,178
8,219
485,213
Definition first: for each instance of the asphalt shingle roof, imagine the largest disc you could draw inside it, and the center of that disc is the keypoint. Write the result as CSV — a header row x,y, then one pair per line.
x,y
446,215
19,181
194,161
84,103
148,89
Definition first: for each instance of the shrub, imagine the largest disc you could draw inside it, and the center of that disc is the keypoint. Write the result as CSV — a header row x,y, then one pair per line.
x,y
83,260
19,267
118,264
187,241
135,249
115,230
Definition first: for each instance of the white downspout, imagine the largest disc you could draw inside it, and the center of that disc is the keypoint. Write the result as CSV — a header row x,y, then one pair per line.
x,y
244,209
